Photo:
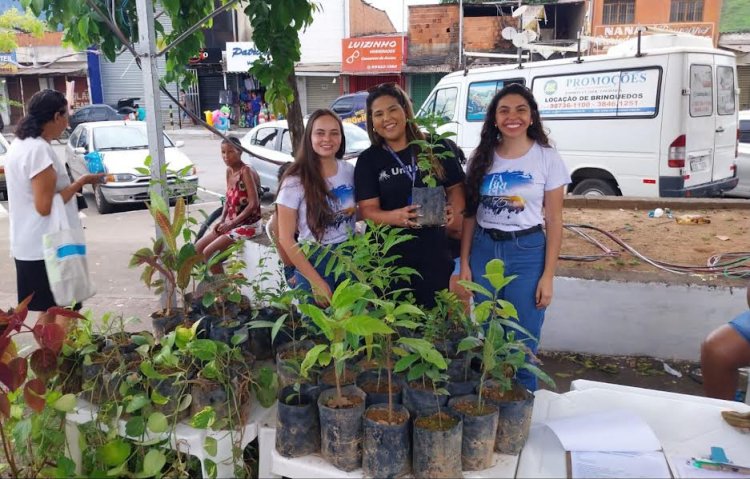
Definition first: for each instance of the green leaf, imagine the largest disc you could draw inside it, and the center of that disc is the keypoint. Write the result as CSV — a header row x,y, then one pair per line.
x,y
210,445
346,294
467,344
476,288
203,349
311,358
135,427
65,403
138,401
185,402
114,452
239,337
157,422
408,309
362,325
318,317
183,336
204,418
403,363
153,463
148,370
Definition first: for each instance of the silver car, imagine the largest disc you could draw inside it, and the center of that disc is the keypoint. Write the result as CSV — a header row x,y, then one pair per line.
x,y
271,146
123,146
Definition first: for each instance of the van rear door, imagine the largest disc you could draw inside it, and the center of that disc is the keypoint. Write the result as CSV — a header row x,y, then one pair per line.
x,y
700,121
725,139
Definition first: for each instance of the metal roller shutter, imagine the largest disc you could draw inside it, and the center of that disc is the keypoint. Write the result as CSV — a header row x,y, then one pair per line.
x,y
421,86
209,87
321,92
743,77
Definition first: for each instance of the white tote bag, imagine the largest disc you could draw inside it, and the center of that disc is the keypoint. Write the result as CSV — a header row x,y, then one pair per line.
x,y
65,258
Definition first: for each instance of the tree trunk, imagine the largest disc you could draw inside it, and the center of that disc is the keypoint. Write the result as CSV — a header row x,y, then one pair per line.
x,y
294,115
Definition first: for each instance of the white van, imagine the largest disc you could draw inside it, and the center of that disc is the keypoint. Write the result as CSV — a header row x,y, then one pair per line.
x,y
660,124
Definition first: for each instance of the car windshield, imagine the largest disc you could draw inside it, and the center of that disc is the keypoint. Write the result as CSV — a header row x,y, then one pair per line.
x,y
356,139
123,137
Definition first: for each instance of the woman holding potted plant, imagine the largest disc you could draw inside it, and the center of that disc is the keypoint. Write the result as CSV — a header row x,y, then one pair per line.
x,y
241,216
385,177
514,183
316,202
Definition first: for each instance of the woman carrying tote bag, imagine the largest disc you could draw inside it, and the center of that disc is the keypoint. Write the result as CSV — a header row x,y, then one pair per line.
x,y
35,176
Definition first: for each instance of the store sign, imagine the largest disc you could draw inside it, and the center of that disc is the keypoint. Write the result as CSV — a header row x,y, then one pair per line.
x,y
372,55
240,56
616,32
206,56
8,62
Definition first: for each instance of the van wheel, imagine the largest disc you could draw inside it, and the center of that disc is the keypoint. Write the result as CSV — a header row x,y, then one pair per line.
x,y
102,205
595,187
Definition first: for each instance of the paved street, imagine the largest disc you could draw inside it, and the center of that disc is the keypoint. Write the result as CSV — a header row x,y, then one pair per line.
x,y
113,238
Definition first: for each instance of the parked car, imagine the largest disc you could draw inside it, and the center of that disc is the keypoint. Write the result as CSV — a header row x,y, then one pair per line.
x,y
352,108
123,146
3,154
271,146
96,112
743,157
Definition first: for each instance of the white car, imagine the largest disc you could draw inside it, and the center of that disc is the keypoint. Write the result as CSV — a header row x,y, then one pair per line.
x,y
123,146
271,146
3,155
743,157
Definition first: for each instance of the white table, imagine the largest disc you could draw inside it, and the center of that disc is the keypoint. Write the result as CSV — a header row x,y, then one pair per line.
x,y
272,465
685,425
184,438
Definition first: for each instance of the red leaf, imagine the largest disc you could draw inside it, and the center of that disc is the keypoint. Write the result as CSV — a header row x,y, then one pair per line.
x,y
50,336
4,405
68,313
44,363
23,308
18,369
6,376
4,342
33,394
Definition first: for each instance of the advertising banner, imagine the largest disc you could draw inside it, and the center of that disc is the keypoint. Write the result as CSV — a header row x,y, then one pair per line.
x,y
240,56
372,55
617,93
701,29
8,62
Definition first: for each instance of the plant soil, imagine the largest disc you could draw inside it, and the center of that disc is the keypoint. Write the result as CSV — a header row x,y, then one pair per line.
x,y
422,386
380,416
372,387
495,394
471,408
436,422
344,402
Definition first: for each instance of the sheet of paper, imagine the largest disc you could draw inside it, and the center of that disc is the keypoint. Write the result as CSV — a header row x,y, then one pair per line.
x,y
619,464
615,431
684,468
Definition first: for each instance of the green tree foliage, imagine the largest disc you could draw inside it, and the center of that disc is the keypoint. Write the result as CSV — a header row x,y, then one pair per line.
x,y
12,22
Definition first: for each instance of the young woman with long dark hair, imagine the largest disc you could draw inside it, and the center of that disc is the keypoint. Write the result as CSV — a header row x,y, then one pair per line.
x,y
514,183
384,177
316,201
35,175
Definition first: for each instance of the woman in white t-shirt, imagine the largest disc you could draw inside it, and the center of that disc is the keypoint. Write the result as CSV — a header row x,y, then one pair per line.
x,y
514,184
35,175
316,200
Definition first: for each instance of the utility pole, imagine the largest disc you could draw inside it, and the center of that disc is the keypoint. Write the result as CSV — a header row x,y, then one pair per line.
x,y
460,33
147,53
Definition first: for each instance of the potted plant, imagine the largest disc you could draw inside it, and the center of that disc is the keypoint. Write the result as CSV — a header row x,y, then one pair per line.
x,y
344,325
502,357
173,262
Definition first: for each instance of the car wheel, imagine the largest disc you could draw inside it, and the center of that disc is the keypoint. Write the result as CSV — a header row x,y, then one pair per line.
x,y
595,187
102,205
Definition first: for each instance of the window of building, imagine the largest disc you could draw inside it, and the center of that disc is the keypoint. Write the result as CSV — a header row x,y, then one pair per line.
x,y
617,12
686,11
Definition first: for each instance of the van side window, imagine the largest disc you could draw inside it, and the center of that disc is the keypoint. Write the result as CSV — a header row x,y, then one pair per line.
x,y
701,90
480,95
725,90
442,103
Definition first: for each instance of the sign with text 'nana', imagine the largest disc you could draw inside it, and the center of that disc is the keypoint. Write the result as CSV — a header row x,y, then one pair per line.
x,y
372,55
701,29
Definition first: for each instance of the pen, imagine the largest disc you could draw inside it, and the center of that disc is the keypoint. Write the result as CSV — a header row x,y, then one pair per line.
x,y
720,466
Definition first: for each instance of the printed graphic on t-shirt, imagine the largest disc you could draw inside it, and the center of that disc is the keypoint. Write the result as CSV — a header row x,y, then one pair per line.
x,y
343,206
388,173
495,189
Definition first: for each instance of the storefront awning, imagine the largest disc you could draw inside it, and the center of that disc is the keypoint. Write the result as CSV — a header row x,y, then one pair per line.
x,y
318,69
439,68
43,71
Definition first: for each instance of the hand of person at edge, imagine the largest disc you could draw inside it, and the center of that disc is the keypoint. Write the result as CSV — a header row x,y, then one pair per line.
x,y
464,274
322,294
544,292
448,214
222,228
93,178
406,216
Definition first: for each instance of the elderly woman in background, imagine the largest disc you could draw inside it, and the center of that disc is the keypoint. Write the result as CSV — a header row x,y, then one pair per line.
x,y
35,175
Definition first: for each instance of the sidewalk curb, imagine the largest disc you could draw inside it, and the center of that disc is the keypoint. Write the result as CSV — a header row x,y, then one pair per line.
x,y
638,203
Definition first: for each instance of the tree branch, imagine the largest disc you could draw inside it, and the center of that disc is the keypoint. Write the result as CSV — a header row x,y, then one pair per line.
x,y
197,26
116,30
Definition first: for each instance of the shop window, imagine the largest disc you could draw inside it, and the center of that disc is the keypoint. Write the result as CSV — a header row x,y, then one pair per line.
x,y
686,11
617,12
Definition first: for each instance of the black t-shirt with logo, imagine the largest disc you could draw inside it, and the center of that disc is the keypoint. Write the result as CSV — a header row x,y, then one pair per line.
x,y
379,175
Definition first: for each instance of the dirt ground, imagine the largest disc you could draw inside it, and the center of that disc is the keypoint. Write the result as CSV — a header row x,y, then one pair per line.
x,y
661,239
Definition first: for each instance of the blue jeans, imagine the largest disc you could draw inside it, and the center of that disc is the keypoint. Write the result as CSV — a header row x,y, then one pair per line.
x,y
523,256
741,324
298,280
